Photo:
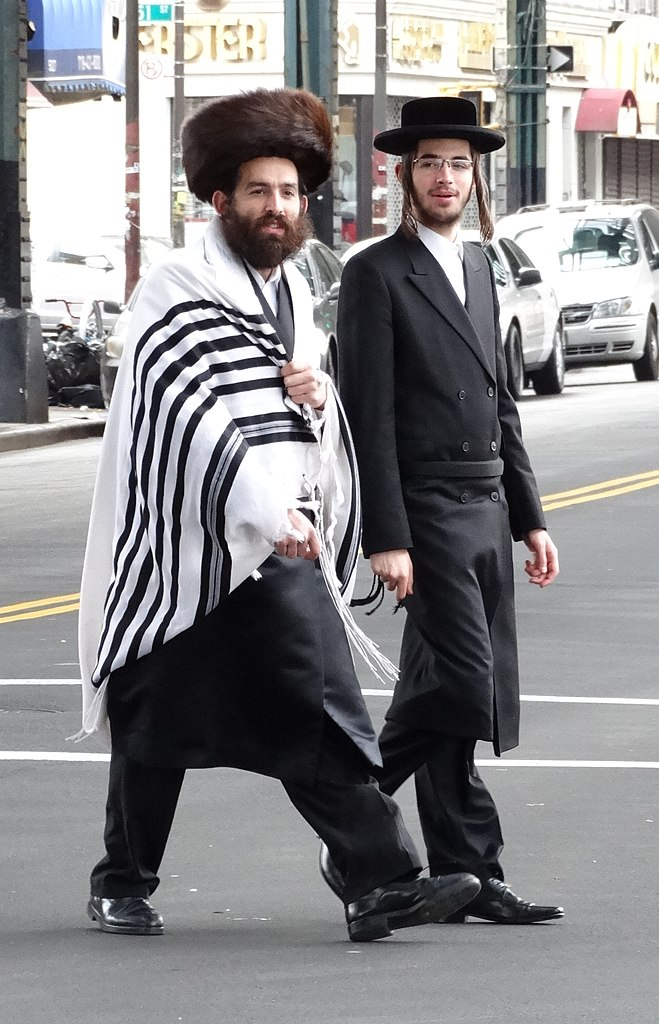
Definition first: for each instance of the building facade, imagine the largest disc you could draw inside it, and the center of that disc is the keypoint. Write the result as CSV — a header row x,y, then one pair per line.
x,y
601,112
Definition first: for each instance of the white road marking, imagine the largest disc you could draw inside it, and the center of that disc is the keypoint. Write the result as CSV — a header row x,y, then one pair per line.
x,y
551,699
530,697
487,762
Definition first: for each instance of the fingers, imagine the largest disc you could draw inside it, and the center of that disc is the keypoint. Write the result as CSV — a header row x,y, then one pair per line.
x,y
305,384
542,569
395,570
301,541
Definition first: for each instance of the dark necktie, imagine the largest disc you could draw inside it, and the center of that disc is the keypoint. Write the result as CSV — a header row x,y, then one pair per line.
x,y
283,322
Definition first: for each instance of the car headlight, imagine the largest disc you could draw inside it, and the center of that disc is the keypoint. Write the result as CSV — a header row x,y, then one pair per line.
x,y
613,307
114,346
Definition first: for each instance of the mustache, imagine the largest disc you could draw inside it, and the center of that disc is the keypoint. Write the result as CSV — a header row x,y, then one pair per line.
x,y
272,220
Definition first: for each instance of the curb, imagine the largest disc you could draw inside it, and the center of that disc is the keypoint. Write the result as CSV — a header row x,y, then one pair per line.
x,y
21,436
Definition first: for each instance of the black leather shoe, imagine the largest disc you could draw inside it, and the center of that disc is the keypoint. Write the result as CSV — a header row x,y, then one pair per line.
x,y
498,903
330,872
406,904
129,915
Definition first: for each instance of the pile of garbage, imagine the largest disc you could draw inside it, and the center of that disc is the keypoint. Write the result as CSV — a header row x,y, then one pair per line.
x,y
73,364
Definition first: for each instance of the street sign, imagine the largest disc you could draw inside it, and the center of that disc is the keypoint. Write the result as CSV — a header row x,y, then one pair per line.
x,y
148,13
560,58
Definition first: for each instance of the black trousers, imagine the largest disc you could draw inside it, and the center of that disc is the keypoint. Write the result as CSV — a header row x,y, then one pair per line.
x,y
458,817
361,826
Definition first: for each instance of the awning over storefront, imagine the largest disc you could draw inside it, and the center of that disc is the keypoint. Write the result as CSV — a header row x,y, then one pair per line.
x,y
78,49
613,111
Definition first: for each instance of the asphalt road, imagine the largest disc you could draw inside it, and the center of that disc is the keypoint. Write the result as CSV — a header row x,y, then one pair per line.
x,y
252,935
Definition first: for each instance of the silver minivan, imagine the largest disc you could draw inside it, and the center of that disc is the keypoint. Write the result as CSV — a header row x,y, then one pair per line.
x,y
603,260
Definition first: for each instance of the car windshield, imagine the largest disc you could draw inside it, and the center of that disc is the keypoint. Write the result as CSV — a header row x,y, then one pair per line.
x,y
585,243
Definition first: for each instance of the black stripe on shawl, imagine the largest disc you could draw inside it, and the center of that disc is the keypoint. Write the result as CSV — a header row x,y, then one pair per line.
x,y
346,556
217,484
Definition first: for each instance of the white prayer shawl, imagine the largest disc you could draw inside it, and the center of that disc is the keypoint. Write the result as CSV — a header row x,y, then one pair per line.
x,y
202,456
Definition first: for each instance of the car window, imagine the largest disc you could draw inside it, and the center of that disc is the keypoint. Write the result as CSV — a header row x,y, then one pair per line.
x,y
498,268
301,261
593,243
649,231
328,272
516,256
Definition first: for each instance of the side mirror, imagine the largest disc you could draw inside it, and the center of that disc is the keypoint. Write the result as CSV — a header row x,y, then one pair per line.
x,y
112,307
528,275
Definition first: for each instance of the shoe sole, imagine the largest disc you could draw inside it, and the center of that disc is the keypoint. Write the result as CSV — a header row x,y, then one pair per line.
x,y
115,929
460,918
447,900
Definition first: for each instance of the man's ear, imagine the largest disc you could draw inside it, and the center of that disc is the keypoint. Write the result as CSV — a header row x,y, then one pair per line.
x,y
304,204
398,169
220,201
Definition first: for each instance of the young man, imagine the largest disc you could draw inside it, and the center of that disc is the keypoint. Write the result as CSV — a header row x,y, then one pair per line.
x,y
445,480
223,537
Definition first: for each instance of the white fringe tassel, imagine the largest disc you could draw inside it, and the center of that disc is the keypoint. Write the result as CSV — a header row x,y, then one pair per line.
x,y
366,647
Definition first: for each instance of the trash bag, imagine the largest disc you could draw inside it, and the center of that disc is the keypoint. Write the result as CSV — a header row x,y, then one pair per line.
x,y
72,362
87,396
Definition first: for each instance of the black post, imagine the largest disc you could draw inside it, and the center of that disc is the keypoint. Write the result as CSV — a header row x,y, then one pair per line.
x,y
178,112
527,103
23,386
132,149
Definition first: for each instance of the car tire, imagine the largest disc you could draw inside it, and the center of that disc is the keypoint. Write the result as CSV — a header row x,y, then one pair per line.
x,y
515,362
550,380
647,367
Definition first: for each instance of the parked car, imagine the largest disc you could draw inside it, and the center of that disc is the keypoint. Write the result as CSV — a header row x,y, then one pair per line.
x,y
68,275
603,261
319,267
322,272
530,320
530,316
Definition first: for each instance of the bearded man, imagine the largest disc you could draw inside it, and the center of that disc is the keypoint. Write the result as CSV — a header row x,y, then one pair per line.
x,y
223,541
446,480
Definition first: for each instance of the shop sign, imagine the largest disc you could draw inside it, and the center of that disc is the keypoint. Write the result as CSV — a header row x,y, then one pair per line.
x,y
225,39
416,41
475,45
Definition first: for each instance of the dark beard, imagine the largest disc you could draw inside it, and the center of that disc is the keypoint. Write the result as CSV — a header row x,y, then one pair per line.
x,y
245,237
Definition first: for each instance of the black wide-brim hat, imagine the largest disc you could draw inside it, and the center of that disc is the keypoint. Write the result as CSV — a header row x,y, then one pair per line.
x,y
438,117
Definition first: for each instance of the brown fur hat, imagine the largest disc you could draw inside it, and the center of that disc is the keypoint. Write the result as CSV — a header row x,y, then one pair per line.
x,y
227,132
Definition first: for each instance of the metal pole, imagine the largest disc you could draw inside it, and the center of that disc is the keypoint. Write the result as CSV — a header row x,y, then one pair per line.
x,y
380,84
14,227
132,149
178,193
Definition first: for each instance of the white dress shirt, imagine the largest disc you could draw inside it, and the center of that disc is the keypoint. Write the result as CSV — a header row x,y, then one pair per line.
x,y
449,256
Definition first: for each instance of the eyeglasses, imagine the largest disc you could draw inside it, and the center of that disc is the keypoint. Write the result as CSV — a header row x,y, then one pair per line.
x,y
427,166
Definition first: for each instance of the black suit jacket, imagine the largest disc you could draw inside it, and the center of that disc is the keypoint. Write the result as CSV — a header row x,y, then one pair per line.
x,y
423,380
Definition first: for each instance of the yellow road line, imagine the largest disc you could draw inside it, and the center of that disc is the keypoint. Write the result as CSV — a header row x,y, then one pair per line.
x,y
594,492
38,603
562,499
41,614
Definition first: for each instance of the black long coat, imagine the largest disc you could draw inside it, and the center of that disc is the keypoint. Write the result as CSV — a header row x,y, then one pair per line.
x,y
444,473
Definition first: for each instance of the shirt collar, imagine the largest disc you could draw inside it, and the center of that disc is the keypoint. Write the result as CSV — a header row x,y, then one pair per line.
x,y
441,248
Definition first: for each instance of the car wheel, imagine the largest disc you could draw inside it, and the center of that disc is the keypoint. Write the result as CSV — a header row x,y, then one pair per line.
x,y
551,378
515,362
647,367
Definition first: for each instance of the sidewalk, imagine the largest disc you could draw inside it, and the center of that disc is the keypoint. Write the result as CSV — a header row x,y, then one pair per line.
x,y
64,424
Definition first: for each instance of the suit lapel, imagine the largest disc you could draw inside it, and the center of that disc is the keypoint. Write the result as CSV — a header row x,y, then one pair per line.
x,y
429,278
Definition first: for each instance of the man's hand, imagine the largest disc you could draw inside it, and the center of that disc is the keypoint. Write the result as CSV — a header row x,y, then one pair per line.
x,y
302,541
395,570
305,384
543,567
